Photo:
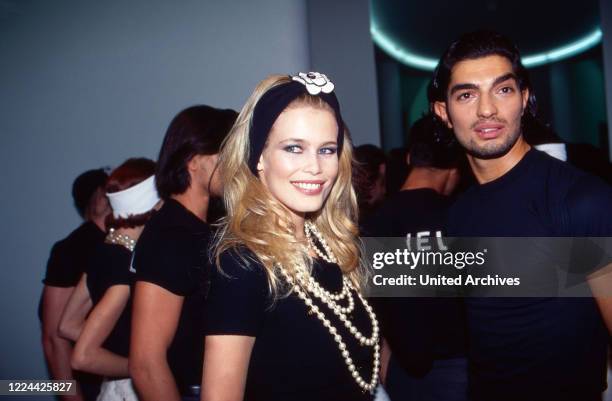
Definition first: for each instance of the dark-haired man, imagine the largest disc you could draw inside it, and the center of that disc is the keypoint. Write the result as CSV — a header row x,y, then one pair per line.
x,y
520,348
427,344
170,259
67,262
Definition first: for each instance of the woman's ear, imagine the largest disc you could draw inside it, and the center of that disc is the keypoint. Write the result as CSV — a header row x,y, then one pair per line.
x,y
260,163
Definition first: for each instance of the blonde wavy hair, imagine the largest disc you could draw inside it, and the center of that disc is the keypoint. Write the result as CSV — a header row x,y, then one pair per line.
x,y
259,222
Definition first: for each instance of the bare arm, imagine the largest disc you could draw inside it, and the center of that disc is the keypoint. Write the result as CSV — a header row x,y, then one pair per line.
x,y
155,318
76,311
89,355
226,363
57,349
601,287
385,357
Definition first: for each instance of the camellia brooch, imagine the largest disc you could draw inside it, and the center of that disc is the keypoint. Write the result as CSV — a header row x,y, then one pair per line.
x,y
314,82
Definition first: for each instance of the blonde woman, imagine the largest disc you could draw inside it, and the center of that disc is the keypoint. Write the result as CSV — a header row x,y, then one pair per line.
x,y
285,319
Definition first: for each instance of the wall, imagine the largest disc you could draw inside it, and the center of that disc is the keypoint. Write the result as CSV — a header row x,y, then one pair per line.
x,y
606,27
341,47
87,84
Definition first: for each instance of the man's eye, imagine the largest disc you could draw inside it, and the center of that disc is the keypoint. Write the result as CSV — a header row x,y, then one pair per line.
x,y
328,150
293,149
506,90
464,96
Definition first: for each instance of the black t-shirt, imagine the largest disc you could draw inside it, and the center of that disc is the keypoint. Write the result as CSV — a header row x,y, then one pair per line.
x,y
294,356
172,252
109,266
429,328
70,256
535,348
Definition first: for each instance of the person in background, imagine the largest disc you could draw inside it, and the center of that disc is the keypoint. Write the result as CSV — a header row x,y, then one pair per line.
x,y
425,336
66,264
397,170
369,178
170,260
102,342
582,155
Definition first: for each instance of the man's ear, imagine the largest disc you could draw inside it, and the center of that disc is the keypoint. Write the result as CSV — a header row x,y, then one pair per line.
x,y
525,95
194,163
442,113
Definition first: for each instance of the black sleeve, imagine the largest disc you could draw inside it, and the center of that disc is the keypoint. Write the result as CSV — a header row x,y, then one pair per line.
x,y
173,259
118,266
238,297
589,203
62,269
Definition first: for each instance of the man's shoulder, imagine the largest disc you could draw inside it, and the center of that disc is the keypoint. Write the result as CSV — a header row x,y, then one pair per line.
x,y
172,220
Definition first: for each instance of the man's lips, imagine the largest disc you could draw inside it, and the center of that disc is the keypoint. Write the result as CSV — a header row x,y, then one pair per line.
x,y
309,187
489,130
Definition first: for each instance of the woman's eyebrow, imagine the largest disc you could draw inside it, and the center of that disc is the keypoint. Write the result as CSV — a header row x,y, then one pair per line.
x,y
298,140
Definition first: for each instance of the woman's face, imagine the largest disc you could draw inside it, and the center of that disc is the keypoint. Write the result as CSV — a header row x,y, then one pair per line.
x,y
299,164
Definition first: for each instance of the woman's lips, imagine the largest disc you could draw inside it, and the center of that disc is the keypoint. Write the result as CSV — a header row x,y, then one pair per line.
x,y
489,130
309,187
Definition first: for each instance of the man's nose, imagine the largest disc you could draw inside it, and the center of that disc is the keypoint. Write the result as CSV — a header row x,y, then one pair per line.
x,y
486,106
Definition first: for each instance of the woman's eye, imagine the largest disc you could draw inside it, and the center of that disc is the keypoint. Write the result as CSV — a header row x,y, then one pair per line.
x,y
328,150
293,148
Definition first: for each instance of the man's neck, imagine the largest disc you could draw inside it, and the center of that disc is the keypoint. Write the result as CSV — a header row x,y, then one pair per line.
x,y
487,170
195,201
99,221
424,178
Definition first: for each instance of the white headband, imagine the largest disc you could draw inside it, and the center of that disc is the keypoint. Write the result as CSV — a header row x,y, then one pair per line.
x,y
557,150
135,200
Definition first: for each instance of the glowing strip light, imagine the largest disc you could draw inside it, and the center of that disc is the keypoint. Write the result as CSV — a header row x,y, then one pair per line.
x,y
404,56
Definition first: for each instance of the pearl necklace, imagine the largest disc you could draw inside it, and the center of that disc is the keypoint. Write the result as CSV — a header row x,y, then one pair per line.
x,y
305,280
113,237
326,296
366,386
328,256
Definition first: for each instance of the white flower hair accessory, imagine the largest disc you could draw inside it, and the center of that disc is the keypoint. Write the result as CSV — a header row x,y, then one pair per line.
x,y
314,82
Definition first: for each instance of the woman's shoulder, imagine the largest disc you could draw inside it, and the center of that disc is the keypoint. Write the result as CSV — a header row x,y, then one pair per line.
x,y
239,262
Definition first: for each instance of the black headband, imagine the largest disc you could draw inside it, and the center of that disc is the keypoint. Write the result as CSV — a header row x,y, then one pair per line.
x,y
269,107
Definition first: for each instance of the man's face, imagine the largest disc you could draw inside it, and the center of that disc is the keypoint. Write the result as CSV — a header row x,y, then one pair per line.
x,y
484,106
206,175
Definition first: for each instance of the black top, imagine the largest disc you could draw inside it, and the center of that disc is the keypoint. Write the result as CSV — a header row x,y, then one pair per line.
x,y
430,328
535,348
172,253
70,256
109,266
409,212
294,356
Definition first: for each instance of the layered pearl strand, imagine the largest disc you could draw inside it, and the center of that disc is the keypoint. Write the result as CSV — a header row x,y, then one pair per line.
x,y
113,237
310,229
305,280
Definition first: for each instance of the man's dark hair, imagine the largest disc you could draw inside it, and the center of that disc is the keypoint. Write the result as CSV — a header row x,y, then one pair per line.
x,y
368,159
430,144
476,45
197,130
84,187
